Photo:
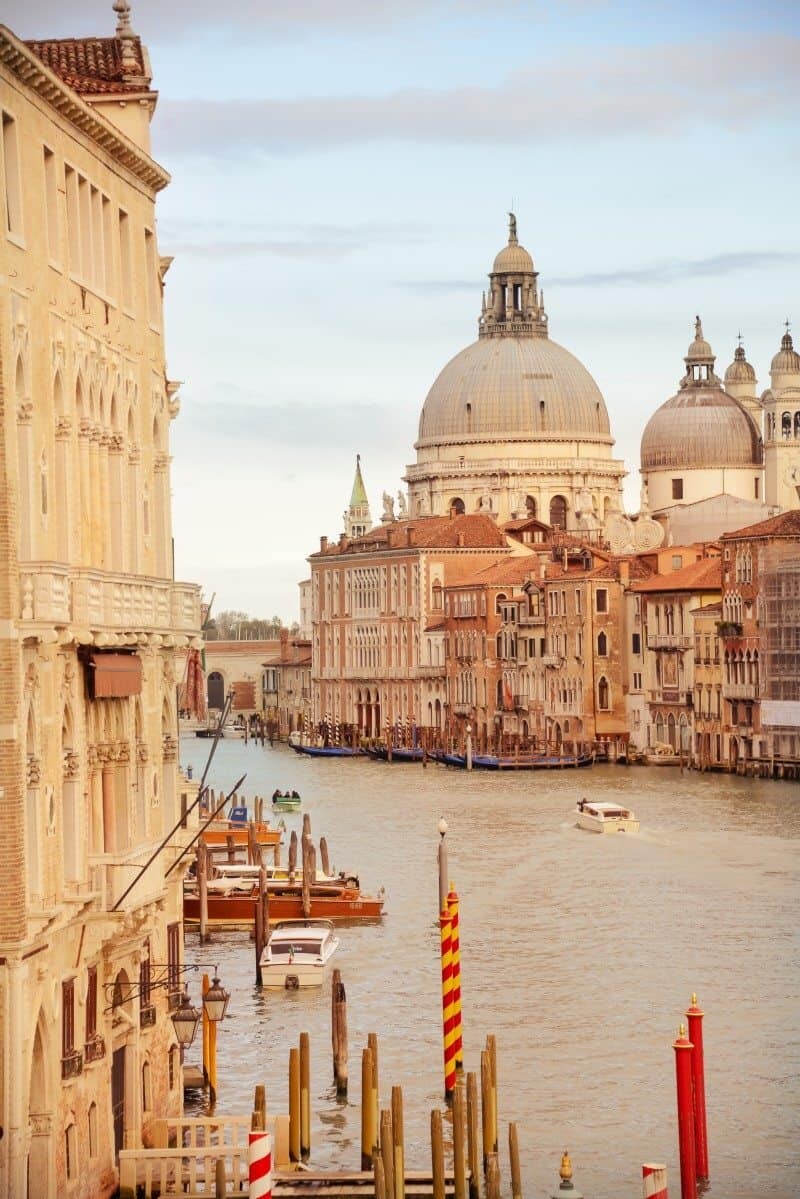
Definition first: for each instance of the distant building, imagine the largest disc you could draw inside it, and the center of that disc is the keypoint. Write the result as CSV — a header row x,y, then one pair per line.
x,y
235,667
93,629
781,405
286,687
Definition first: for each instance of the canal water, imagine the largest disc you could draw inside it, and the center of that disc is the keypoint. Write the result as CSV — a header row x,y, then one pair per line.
x,y
580,954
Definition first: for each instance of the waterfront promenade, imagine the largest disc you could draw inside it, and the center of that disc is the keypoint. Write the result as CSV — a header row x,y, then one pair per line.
x,y
579,953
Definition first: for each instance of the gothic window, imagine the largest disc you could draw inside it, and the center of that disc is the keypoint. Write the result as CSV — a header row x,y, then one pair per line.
x,y
602,645
603,694
786,425
797,424
530,506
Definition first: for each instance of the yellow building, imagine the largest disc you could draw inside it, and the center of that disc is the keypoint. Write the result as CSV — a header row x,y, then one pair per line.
x,y
93,628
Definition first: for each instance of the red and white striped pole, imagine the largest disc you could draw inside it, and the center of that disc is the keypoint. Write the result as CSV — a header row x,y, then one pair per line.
x,y
694,1017
259,1160
654,1182
683,1078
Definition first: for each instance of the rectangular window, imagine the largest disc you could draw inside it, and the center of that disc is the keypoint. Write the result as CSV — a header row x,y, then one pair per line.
x,y
70,1153
636,643
637,680
579,645
677,489
51,205
108,241
11,177
677,561
563,603
73,220
151,267
601,599
68,1018
173,961
577,601
145,999
91,1004
756,486
85,220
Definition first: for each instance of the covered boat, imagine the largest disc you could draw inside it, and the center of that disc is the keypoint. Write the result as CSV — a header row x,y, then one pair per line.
x,y
605,818
297,953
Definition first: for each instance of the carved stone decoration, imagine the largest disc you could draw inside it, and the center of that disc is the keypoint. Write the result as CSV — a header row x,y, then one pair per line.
x,y
116,443
619,533
31,679
33,771
122,752
27,597
85,427
71,764
25,412
169,749
161,462
40,1124
648,533
142,752
63,427
92,756
134,454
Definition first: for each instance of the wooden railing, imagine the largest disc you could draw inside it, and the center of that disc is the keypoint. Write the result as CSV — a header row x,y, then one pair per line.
x,y
188,1169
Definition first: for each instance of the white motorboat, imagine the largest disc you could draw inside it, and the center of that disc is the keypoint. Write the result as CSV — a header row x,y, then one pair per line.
x,y
605,817
297,954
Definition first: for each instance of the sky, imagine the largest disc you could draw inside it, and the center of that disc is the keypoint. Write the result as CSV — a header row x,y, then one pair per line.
x,y
341,177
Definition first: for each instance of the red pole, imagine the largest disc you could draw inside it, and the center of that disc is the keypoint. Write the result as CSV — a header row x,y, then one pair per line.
x,y
695,1017
683,1079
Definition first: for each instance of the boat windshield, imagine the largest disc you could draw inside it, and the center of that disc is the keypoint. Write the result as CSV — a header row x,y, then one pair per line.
x,y
295,948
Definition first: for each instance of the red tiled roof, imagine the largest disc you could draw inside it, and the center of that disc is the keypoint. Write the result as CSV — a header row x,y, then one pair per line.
x,y
93,66
705,575
475,530
509,570
786,524
612,569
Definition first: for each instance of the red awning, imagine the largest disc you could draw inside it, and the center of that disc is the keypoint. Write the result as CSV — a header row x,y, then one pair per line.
x,y
114,676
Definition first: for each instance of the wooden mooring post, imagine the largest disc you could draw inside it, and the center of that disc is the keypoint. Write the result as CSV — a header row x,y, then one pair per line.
x,y
473,1154
486,1106
459,1147
305,1095
491,1045
398,1139
372,1045
387,1151
202,889
369,1133
339,1031
437,1154
294,1105
379,1177
513,1157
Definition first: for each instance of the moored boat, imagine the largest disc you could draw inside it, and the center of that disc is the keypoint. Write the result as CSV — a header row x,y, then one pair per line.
x,y
400,753
218,832
234,907
297,953
605,818
328,751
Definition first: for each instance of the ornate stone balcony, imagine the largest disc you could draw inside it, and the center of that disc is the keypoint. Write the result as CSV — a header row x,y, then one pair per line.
x,y
740,690
54,594
551,659
669,641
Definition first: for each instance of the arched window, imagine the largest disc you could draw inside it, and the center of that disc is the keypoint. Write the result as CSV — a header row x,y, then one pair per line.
x,y
457,507
437,595
558,512
797,424
603,694
786,424
499,601
602,645
530,506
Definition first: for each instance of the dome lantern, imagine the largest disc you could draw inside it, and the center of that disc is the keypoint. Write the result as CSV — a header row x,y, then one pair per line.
x,y
514,307
699,359
786,361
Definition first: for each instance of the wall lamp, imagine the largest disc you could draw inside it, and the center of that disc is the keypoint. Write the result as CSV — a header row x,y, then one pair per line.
x,y
186,1017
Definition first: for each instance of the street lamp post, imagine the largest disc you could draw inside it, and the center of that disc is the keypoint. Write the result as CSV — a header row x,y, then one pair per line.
x,y
444,885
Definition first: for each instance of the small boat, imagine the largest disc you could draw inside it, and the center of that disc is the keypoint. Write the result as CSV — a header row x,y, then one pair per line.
x,y
605,818
286,802
231,902
328,751
400,753
297,954
218,832
517,761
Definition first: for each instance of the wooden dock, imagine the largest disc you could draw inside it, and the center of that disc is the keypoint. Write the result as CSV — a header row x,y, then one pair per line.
x,y
358,1184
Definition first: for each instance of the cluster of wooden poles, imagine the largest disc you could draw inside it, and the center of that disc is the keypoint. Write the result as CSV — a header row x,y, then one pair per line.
x,y
474,1125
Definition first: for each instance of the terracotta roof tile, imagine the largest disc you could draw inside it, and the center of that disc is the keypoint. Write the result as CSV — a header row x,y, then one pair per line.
x,y
786,524
471,531
705,575
93,65
509,570
611,569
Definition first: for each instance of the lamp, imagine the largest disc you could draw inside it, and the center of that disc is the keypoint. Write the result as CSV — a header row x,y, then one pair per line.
x,y
442,827
215,1000
185,1021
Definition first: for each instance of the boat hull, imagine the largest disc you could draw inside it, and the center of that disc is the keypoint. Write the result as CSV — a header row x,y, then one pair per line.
x,y
327,751
216,835
538,762
238,910
613,824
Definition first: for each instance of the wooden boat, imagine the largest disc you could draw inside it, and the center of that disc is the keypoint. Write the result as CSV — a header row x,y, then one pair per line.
x,y
298,953
400,753
234,907
517,762
605,818
219,831
328,751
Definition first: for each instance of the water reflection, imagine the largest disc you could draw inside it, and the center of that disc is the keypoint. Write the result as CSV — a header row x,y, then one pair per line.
x,y
579,952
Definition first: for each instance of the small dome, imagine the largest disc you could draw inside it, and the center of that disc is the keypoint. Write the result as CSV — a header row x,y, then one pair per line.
x,y
697,428
740,370
787,360
699,350
513,259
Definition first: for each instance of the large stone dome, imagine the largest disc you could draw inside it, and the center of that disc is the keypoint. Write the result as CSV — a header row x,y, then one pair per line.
x,y
514,389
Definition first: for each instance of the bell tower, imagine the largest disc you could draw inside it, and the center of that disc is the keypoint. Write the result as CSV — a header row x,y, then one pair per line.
x,y
781,405
357,519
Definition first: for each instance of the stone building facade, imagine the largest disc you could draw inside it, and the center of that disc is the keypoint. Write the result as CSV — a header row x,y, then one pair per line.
x,y
93,628
286,687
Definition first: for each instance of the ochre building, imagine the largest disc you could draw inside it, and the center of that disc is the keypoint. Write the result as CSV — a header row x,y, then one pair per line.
x,y
94,631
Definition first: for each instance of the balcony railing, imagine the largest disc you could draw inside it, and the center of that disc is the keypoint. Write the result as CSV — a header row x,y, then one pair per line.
x,y
462,709
53,593
669,641
71,1065
147,1016
527,620
740,690
521,702
94,1049
551,659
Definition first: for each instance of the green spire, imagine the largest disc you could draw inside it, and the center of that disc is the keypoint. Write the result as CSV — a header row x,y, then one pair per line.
x,y
359,497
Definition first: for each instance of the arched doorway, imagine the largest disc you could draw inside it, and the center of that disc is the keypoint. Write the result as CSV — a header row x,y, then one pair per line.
x,y
530,507
216,690
457,507
558,512
39,1121
122,1018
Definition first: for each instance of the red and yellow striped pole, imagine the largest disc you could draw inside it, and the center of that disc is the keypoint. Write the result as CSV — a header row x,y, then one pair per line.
x,y
694,1017
448,1017
452,906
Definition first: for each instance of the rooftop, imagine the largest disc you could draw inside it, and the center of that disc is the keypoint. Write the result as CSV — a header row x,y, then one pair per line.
x,y
705,575
786,524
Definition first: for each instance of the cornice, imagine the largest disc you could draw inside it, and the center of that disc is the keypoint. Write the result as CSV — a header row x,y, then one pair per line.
x,y
33,73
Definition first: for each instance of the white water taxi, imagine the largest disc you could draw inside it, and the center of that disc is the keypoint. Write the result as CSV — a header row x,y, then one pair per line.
x,y
605,818
297,953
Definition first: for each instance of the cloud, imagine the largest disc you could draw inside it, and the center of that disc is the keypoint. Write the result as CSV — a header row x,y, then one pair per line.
x,y
316,241
156,19
658,272
657,90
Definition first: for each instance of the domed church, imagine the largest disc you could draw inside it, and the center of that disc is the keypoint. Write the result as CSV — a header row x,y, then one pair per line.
x,y
515,425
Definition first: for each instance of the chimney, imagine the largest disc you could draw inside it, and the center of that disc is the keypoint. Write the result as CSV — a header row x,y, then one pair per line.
x,y
460,540
284,635
323,544
624,573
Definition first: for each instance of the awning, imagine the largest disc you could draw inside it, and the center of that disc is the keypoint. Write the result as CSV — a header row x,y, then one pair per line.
x,y
114,676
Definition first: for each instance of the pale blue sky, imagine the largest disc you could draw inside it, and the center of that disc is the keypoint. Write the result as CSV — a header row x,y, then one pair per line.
x,y
341,176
